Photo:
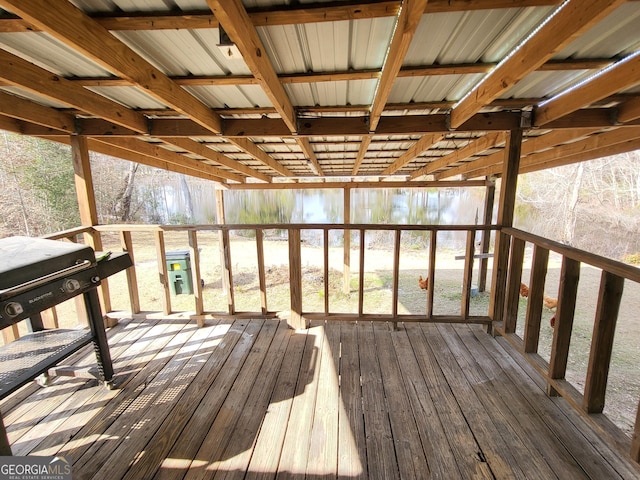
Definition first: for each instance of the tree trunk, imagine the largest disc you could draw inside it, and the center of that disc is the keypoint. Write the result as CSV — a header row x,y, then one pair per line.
x,y
123,202
570,211
186,193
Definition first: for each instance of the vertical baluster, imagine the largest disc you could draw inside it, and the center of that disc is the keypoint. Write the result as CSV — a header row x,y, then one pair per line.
x,y
326,271
361,275
227,272
635,440
534,303
431,280
396,276
569,277
132,280
295,280
604,327
261,271
514,275
162,272
195,275
468,274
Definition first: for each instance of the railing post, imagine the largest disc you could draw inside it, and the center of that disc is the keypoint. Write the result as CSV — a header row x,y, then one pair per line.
x,y
508,186
537,280
569,277
433,241
468,273
195,275
396,276
361,274
346,268
486,234
514,276
132,279
162,272
261,273
227,273
604,327
635,440
297,320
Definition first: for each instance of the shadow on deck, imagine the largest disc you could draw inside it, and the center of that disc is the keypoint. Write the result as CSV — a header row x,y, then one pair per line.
x,y
254,399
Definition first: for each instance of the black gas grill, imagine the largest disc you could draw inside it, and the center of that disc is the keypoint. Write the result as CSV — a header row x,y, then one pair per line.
x,y
37,274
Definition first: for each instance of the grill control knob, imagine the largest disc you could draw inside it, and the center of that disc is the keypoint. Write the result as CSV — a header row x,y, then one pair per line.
x,y
13,309
70,285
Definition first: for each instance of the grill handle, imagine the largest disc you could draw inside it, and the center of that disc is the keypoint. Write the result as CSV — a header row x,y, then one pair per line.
x,y
36,282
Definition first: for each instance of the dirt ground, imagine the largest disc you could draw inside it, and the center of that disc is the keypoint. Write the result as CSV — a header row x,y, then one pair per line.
x,y
624,377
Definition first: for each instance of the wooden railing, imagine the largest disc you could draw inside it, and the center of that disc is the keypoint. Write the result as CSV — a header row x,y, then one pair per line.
x,y
614,274
299,314
554,370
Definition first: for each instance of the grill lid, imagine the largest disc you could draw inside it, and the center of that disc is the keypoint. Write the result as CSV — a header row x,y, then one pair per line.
x,y
23,259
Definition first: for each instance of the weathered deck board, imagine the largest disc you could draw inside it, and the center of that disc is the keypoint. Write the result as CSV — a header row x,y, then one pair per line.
x,y
254,399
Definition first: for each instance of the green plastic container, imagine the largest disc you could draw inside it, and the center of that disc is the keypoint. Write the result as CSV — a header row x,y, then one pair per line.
x,y
179,270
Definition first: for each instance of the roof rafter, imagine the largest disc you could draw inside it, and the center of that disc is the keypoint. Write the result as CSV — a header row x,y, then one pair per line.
x,y
570,20
29,111
617,77
414,151
310,154
256,152
529,146
202,150
629,110
72,27
472,148
155,151
26,75
170,20
408,20
364,146
237,24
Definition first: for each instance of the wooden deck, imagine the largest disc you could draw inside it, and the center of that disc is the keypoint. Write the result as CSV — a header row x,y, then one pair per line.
x,y
254,399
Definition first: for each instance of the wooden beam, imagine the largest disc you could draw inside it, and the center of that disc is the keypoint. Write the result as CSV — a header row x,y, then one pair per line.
x,y
202,150
354,185
307,13
570,20
629,110
256,152
529,146
140,147
506,208
409,18
364,145
23,74
236,22
349,75
618,77
310,154
474,147
72,27
29,111
424,143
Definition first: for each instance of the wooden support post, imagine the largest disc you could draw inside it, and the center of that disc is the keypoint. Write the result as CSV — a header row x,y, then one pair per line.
x,y
88,211
326,272
132,279
534,304
50,318
163,274
396,276
261,272
346,268
510,317
227,272
604,327
361,275
220,218
297,320
194,253
433,240
569,277
468,274
486,235
506,206
635,439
